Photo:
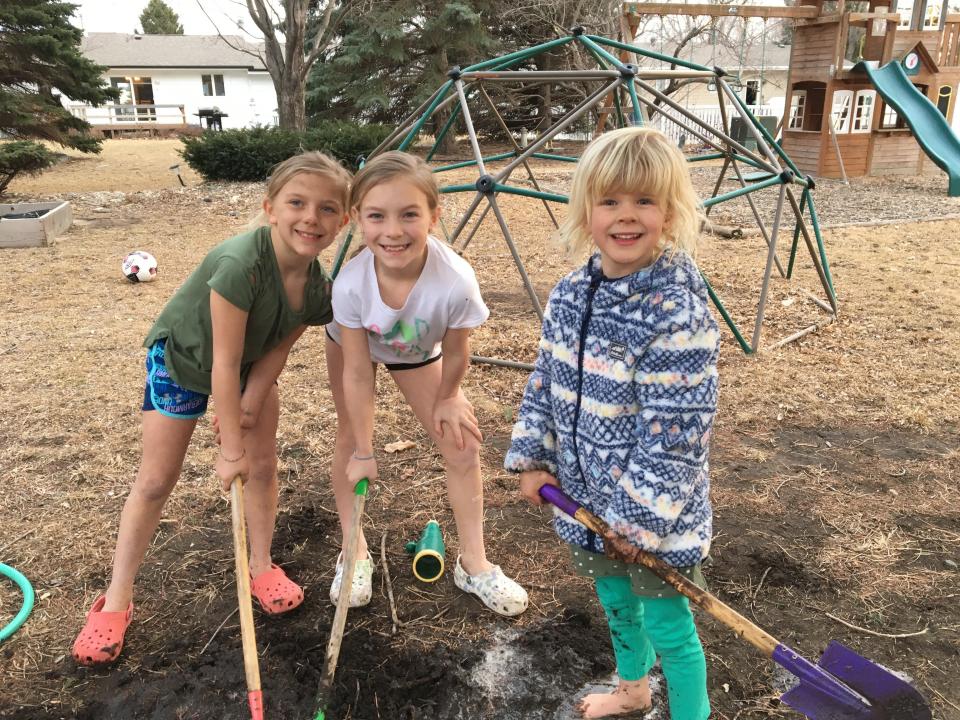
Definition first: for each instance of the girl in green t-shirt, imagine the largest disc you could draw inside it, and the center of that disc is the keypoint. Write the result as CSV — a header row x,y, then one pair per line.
x,y
227,333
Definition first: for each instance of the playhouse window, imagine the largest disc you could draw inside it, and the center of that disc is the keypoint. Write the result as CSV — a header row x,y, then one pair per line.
x,y
842,100
863,111
891,120
905,10
944,95
931,19
806,106
797,104
212,85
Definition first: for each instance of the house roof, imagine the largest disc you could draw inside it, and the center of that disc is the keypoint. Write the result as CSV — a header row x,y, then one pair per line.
x,y
772,57
170,51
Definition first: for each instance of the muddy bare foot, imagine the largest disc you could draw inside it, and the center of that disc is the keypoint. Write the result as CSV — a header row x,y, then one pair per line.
x,y
631,698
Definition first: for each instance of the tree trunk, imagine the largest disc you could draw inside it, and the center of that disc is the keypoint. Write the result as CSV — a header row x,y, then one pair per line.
x,y
448,145
286,62
291,109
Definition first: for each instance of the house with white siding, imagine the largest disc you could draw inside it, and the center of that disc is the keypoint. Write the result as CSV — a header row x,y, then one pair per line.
x,y
179,82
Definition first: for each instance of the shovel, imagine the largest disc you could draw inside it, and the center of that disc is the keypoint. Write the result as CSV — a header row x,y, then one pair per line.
x,y
842,685
251,664
343,601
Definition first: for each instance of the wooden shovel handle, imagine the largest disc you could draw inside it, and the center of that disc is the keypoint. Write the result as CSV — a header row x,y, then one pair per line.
x,y
343,600
719,610
251,661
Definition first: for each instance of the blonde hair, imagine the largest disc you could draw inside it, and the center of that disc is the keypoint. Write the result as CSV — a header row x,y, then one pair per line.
x,y
313,162
633,159
395,164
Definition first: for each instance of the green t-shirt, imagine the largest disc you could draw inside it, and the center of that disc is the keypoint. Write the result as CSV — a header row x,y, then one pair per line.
x,y
244,271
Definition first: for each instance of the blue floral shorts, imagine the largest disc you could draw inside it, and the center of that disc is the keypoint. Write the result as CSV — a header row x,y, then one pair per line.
x,y
164,395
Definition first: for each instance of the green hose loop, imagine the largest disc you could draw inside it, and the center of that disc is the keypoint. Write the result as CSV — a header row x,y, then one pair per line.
x,y
27,589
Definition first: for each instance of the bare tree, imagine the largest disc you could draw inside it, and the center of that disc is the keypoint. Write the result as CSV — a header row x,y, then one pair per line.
x,y
295,34
289,52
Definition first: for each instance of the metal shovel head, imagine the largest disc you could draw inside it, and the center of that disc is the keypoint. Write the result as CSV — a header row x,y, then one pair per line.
x,y
846,686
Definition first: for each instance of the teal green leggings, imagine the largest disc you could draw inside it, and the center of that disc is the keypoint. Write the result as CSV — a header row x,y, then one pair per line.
x,y
643,628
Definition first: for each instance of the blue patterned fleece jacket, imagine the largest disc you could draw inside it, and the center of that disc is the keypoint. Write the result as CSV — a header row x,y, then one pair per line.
x,y
620,406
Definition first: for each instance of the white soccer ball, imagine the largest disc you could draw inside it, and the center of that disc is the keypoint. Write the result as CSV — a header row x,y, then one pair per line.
x,y
140,266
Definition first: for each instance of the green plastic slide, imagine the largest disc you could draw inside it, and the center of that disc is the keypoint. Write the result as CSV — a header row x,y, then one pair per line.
x,y
929,127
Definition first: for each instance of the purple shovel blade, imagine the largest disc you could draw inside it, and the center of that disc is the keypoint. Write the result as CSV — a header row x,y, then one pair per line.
x,y
846,686
820,695
898,699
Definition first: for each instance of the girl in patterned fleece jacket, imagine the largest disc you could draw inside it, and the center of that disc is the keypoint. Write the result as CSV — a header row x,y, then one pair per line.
x,y
619,408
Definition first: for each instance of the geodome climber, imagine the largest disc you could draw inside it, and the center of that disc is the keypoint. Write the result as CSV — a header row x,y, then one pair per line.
x,y
627,94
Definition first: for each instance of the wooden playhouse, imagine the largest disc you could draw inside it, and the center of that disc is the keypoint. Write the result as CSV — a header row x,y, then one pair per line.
x,y
834,72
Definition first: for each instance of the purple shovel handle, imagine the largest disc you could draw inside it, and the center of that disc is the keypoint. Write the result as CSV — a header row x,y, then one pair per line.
x,y
557,497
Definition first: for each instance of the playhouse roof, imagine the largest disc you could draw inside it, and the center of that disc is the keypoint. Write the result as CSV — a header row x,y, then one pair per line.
x,y
170,51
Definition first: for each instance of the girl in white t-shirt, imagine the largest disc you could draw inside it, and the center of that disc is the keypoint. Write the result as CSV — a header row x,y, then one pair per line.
x,y
409,302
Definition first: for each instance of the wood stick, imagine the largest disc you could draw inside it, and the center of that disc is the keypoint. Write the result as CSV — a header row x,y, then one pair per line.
x,y
251,662
817,301
219,628
873,632
386,574
799,334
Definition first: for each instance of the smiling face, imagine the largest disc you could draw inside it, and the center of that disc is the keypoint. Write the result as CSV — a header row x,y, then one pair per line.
x,y
305,216
627,228
396,218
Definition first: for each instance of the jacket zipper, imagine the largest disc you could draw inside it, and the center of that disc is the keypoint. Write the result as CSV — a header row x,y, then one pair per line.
x,y
581,349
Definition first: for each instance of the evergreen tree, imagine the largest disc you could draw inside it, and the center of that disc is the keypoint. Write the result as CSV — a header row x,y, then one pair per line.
x,y
394,55
39,60
158,18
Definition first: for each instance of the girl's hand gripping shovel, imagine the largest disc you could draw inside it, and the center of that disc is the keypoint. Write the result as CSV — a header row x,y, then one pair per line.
x,y
841,686
251,666
325,691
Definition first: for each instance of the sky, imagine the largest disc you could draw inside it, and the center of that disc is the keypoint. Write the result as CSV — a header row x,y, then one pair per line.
x,y
124,17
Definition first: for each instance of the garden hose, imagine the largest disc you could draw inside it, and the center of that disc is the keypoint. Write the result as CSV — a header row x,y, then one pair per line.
x,y
27,589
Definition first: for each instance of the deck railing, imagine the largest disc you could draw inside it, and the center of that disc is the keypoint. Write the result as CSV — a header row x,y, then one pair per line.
x,y
120,115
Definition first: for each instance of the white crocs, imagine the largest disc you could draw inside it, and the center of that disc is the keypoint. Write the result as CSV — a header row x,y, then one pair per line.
x,y
361,589
495,590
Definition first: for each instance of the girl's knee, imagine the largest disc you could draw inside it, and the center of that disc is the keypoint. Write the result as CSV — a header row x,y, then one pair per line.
x,y
461,461
154,487
263,469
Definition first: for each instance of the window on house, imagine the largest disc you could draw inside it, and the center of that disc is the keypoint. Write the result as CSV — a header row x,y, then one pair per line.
x,y
863,111
840,114
212,85
798,103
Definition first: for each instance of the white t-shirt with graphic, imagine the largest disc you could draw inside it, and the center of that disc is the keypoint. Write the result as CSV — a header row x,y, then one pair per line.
x,y
446,295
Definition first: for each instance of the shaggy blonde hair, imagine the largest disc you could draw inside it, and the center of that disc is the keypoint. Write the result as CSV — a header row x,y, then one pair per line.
x,y
633,159
394,164
313,162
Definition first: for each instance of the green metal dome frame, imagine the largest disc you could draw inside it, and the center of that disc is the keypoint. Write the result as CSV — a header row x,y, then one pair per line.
x,y
635,100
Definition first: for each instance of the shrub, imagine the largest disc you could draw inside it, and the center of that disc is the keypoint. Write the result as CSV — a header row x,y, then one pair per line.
x,y
249,154
22,156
